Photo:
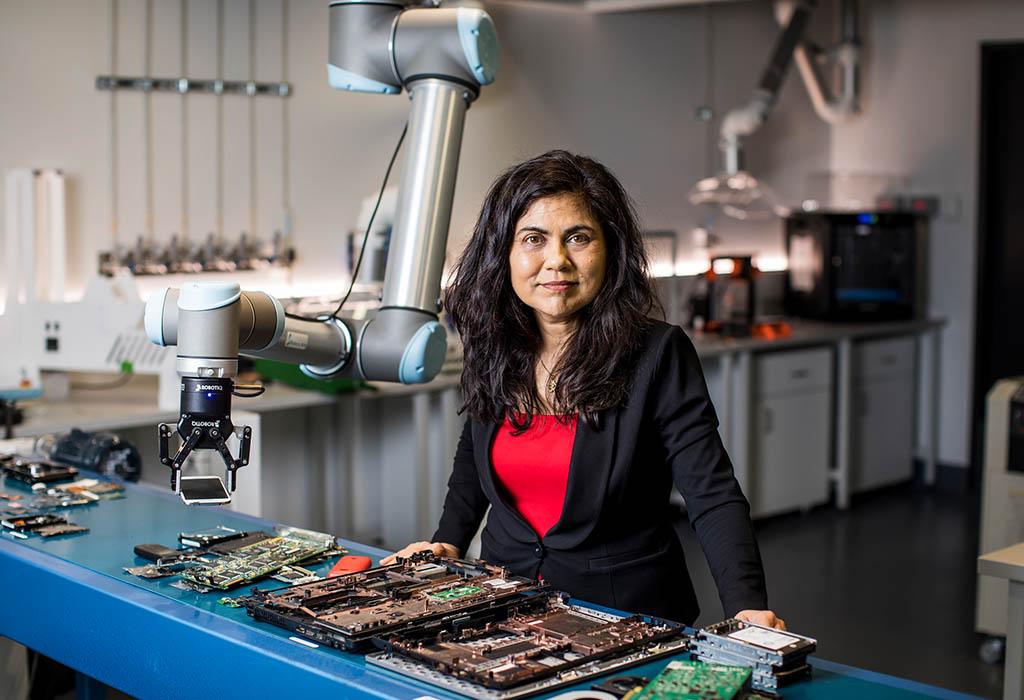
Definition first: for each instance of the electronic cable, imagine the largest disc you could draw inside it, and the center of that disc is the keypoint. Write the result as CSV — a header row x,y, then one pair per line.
x,y
366,236
121,380
250,391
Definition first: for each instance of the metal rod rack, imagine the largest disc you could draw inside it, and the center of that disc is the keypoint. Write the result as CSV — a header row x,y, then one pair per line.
x,y
185,85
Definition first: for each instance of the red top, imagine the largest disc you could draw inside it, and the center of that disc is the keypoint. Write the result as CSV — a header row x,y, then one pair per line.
x,y
533,468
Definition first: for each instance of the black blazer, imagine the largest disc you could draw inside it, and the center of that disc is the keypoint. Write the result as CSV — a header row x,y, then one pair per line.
x,y
614,543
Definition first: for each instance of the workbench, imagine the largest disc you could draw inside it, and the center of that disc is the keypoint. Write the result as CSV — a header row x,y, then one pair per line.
x,y
68,598
317,460
1008,563
338,463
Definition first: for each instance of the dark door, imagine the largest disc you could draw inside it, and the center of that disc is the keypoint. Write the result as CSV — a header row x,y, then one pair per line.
x,y
999,343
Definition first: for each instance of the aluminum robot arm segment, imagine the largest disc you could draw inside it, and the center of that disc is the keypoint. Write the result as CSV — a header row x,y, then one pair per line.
x,y
256,322
382,47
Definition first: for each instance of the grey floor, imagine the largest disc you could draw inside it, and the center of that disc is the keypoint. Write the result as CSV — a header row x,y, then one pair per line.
x,y
887,585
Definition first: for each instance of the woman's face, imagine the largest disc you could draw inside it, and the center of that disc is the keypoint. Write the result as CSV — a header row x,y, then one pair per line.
x,y
558,258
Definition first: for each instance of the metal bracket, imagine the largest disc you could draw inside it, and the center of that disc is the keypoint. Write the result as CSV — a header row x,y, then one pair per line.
x,y
183,86
183,452
190,443
230,462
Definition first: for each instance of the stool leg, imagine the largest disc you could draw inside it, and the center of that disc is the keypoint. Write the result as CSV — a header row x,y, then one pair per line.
x,y
1013,681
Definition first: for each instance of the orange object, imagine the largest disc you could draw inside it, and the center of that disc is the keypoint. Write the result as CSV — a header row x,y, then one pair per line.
x,y
771,331
349,564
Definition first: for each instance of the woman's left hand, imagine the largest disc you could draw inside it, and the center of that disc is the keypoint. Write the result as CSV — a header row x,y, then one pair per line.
x,y
761,617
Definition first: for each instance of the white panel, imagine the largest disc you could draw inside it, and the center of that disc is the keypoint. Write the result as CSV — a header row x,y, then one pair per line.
x,y
884,358
791,452
791,372
19,224
883,432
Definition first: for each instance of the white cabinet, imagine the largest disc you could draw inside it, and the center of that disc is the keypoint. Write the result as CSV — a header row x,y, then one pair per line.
x,y
791,430
882,443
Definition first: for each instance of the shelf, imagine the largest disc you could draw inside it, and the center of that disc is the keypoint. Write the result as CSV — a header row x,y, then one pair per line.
x,y
609,6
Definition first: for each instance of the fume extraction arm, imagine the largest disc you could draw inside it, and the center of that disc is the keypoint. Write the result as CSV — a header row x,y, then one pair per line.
x,y
738,193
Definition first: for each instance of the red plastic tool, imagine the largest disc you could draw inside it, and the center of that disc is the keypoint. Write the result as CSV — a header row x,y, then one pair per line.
x,y
349,564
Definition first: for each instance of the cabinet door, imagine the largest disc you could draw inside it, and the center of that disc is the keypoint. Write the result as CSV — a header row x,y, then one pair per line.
x,y
883,432
791,452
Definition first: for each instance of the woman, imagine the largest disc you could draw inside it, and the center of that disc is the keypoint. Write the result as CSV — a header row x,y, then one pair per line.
x,y
583,410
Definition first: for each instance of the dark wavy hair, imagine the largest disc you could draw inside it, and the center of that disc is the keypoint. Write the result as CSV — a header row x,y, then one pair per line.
x,y
500,332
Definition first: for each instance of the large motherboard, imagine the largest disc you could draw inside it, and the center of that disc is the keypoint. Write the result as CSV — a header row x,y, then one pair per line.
x,y
351,610
466,626
536,647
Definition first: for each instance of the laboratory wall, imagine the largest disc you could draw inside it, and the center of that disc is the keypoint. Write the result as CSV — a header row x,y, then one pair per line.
x,y
624,88
921,120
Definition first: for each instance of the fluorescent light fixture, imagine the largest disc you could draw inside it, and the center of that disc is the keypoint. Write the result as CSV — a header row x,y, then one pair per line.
x,y
771,263
724,266
740,195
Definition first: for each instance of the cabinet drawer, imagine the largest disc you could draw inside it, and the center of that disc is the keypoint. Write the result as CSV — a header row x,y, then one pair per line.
x,y
791,372
883,358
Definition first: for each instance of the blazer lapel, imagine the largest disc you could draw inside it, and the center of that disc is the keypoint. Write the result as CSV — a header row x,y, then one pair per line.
x,y
482,442
593,453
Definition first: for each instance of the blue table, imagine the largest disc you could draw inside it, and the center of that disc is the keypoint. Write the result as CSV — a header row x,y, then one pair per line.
x,y
68,598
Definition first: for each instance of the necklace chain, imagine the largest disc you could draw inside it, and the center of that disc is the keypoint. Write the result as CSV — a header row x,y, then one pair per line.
x,y
552,378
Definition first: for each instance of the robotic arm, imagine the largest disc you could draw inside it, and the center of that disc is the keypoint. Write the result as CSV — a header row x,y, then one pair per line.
x,y
441,56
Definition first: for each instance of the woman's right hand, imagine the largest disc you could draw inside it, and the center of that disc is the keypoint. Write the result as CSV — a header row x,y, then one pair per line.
x,y
441,549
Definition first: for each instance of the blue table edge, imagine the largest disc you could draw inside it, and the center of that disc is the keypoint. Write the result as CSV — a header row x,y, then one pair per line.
x,y
312,658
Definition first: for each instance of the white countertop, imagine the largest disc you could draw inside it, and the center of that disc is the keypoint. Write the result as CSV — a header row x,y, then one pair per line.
x,y
135,404
1005,563
809,333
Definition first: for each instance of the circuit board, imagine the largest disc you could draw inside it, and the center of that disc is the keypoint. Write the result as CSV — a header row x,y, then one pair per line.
x,y
546,639
34,471
694,680
42,524
348,611
101,489
254,561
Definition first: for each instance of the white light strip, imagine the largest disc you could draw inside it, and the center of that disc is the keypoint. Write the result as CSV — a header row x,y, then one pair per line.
x,y
771,263
725,266
698,266
691,268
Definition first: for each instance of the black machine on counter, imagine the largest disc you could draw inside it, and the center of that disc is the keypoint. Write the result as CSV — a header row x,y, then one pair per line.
x,y
856,266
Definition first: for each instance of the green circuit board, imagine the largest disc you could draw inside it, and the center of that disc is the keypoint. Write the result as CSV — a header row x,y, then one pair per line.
x,y
253,561
695,680
454,593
